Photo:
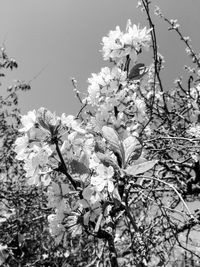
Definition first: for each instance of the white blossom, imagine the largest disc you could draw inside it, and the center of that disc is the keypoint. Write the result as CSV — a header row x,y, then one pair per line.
x,y
28,121
119,44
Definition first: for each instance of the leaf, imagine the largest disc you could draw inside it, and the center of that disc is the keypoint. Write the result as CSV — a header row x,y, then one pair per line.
x,y
99,147
85,159
78,167
65,188
133,148
140,168
137,71
83,203
59,238
107,161
86,218
116,195
113,139
87,193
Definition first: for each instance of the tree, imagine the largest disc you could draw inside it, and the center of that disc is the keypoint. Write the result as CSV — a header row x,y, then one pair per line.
x,y
120,173
23,214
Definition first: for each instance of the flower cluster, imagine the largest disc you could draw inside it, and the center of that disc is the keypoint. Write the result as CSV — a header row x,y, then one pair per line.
x,y
118,44
36,146
115,99
113,164
82,162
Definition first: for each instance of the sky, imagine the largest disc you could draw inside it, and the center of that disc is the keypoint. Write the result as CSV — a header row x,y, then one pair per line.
x,y
60,39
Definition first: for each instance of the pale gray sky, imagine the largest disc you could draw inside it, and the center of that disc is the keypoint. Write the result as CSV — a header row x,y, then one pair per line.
x,y
65,36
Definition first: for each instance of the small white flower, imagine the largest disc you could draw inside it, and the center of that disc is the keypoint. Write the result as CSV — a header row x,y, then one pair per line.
x,y
194,131
21,144
28,121
70,122
103,178
119,44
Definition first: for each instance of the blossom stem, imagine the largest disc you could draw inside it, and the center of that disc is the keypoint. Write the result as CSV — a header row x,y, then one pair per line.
x,y
155,55
64,167
113,253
